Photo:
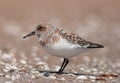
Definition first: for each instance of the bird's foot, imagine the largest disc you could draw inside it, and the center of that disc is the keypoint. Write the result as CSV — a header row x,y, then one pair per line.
x,y
59,72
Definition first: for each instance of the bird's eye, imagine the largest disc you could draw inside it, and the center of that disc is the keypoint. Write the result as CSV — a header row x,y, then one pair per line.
x,y
39,27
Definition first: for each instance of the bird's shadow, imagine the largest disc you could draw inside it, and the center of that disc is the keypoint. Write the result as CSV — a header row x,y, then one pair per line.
x,y
47,73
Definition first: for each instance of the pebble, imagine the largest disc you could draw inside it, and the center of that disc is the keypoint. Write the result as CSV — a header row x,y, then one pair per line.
x,y
46,74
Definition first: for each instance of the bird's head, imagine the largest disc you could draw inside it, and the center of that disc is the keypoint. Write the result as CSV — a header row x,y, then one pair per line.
x,y
42,29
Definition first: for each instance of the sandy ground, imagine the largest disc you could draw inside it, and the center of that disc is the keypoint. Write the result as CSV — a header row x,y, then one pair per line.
x,y
96,21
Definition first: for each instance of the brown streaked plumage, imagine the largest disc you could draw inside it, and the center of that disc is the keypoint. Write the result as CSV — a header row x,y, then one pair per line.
x,y
61,43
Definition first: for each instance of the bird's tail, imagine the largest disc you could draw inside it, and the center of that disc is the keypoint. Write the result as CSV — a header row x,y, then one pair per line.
x,y
94,45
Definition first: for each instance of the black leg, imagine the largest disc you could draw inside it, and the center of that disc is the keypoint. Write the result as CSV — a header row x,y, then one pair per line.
x,y
67,61
64,61
64,64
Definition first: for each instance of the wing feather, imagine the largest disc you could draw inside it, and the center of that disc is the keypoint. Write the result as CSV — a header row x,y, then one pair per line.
x,y
74,39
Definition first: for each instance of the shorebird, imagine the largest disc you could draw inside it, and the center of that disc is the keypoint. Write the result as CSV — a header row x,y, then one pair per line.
x,y
58,42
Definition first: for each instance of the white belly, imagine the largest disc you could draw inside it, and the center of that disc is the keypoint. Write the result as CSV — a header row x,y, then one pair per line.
x,y
65,49
65,53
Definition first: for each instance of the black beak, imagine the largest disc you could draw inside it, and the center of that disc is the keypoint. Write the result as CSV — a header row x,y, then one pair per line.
x,y
30,34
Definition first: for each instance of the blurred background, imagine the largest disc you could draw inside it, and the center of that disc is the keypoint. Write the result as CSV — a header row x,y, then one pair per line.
x,y
94,20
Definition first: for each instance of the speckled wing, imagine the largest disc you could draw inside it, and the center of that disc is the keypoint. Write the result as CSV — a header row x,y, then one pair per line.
x,y
74,39
85,44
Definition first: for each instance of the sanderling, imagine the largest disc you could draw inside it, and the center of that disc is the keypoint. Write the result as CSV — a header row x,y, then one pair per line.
x,y
61,43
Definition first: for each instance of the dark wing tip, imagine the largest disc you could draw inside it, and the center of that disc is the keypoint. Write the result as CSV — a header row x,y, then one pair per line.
x,y
93,45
